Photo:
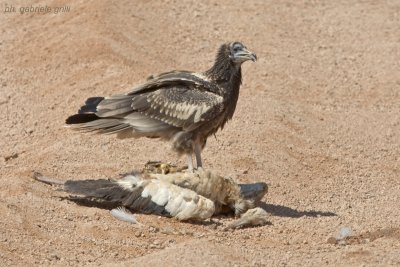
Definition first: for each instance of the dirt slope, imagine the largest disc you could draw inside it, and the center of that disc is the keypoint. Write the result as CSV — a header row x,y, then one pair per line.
x,y
318,119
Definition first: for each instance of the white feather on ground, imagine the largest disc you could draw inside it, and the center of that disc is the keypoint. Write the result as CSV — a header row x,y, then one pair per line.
x,y
121,213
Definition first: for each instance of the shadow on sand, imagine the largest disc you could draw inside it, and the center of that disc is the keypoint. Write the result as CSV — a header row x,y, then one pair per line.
x,y
282,211
92,202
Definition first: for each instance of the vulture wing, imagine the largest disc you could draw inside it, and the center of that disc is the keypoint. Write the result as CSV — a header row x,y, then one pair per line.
x,y
170,101
146,195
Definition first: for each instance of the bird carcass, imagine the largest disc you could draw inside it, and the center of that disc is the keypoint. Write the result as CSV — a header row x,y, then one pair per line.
x,y
179,194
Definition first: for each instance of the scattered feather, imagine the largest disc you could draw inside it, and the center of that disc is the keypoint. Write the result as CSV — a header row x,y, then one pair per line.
x,y
343,233
121,213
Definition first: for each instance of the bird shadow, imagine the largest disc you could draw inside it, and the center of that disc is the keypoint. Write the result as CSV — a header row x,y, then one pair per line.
x,y
283,211
92,203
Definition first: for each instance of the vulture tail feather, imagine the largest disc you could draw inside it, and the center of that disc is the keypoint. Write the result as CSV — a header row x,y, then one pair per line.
x,y
86,112
90,105
81,118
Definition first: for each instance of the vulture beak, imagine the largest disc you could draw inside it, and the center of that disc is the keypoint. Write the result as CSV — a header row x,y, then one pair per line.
x,y
244,55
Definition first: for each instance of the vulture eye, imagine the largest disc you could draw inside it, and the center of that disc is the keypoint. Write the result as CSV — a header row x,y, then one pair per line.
x,y
237,48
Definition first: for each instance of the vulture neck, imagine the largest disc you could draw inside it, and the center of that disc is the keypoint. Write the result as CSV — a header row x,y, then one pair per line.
x,y
226,74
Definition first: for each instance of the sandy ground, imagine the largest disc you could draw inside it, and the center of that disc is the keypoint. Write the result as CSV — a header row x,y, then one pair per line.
x,y
318,119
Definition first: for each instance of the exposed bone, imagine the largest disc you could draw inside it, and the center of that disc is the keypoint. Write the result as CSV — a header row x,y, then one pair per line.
x,y
41,178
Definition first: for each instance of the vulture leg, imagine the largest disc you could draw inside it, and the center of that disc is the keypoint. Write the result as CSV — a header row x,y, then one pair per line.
x,y
190,163
197,151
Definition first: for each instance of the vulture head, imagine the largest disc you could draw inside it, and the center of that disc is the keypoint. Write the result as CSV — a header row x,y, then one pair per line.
x,y
236,52
228,63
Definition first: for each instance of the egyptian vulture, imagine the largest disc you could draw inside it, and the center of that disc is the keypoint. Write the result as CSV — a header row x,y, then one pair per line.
x,y
180,106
